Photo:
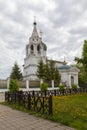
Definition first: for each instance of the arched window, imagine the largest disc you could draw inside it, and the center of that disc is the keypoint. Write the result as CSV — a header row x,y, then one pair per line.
x,y
32,49
38,49
72,79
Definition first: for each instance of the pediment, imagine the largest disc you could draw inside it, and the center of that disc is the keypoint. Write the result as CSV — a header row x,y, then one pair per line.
x,y
74,69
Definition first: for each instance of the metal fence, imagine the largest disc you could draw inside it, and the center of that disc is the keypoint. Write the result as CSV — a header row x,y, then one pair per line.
x,y
38,101
41,104
57,92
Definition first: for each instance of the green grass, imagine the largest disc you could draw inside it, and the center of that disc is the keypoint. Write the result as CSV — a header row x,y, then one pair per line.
x,y
70,110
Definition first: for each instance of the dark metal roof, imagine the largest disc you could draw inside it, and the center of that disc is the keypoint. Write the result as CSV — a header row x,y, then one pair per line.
x,y
64,67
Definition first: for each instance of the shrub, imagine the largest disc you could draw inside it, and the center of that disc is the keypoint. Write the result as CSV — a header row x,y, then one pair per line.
x,y
62,87
74,86
13,87
43,87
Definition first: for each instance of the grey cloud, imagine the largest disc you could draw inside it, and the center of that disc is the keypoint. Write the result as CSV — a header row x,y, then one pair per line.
x,y
64,29
79,30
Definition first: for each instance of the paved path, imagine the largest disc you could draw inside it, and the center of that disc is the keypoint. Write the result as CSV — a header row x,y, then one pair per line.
x,y
16,120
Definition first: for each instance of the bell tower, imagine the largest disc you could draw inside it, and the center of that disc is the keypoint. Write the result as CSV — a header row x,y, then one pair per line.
x,y
35,51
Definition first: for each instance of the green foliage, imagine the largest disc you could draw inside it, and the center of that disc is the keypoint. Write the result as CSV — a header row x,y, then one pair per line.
x,y
71,110
16,73
57,76
82,64
13,87
48,71
40,70
62,87
74,86
43,87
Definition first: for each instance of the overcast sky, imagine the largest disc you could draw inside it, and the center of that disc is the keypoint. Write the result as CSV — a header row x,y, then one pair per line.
x,y
63,23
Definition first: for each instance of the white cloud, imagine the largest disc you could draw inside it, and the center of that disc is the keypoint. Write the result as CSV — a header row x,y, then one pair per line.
x,y
63,23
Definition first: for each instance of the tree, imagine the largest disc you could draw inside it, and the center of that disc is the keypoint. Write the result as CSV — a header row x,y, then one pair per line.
x,y
57,76
13,86
40,70
44,87
82,64
48,71
16,73
52,69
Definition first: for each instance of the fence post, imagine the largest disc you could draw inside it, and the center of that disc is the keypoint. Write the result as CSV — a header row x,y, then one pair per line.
x,y
52,83
29,102
54,92
27,84
43,105
50,104
6,96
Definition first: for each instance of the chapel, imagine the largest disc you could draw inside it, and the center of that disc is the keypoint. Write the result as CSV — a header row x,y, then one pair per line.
x,y
35,51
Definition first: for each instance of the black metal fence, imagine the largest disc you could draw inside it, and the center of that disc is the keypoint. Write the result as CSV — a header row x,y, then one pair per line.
x,y
41,104
57,92
39,101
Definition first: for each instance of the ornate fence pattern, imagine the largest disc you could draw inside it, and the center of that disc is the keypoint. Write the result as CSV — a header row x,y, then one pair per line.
x,y
31,102
57,92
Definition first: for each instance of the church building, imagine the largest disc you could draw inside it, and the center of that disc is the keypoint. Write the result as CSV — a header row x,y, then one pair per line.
x,y
35,51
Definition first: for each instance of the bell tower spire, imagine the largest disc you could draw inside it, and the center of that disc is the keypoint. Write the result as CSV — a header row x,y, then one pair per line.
x,y
34,33
34,20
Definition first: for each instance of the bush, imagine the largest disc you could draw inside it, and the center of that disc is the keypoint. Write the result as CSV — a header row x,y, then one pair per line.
x,y
74,86
62,87
13,87
43,87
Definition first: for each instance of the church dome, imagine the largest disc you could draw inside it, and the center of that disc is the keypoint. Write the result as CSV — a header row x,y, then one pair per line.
x,y
44,46
64,67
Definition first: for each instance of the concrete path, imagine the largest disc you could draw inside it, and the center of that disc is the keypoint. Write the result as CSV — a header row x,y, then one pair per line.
x,y
16,120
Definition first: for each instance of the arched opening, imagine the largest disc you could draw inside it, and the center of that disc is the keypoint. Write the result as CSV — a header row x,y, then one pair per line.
x,y
72,80
32,49
38,49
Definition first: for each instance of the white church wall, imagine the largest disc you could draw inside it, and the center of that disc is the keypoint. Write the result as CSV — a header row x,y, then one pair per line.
x,y
64,77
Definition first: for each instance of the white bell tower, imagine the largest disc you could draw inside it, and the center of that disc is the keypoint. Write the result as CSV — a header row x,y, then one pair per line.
x,y
35,51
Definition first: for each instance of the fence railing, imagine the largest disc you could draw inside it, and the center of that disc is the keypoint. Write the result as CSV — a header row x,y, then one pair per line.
x,y
57,92
39,101
41,104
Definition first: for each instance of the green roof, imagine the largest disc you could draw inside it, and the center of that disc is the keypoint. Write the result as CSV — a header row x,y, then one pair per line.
x,y
64,67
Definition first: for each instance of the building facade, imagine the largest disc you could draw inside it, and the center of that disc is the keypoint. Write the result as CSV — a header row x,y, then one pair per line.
x,y
36,51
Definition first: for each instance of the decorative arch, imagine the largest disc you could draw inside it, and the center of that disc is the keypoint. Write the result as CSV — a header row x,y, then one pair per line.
x,y
72,79
38,48
32,48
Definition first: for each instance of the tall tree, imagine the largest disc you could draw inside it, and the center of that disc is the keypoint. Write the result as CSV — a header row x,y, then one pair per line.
x,y
40,70
48,71
82,64
52,69
57,76
16,72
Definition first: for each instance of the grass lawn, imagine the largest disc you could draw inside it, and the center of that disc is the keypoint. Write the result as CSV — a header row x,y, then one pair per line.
x,y
71,110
